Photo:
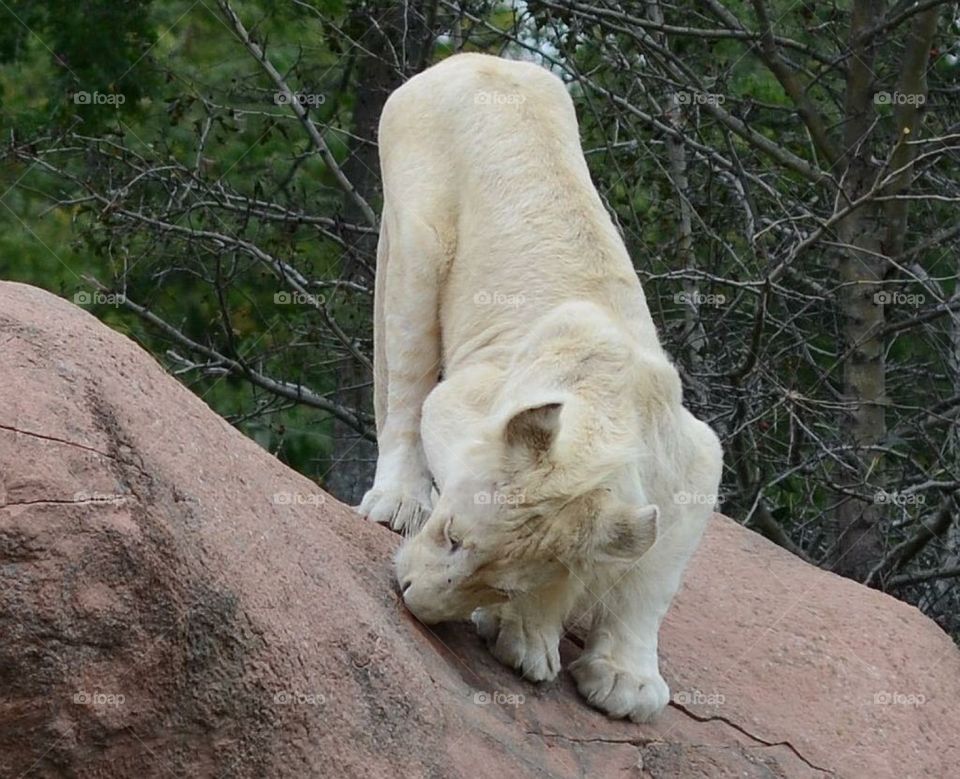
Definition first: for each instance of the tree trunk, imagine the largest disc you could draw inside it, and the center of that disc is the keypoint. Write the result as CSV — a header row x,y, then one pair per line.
x,y
860,269
863,266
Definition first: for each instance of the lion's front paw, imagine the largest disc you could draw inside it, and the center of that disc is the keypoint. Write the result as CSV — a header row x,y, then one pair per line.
x,y
526,644
487,623
404,511
618,692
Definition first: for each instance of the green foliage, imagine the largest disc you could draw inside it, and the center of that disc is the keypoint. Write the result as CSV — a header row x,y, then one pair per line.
x,y
175,66
81,59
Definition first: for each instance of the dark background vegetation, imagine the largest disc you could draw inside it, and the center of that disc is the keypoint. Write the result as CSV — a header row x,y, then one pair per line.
x,y
203,177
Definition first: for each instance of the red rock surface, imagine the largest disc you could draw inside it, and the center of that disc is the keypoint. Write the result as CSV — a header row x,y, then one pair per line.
x,y
175,602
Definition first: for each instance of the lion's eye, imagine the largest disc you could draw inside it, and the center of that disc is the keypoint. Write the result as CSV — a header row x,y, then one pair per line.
x,y
452,541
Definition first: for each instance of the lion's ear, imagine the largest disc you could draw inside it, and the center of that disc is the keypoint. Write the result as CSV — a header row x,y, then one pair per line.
x,y
534,428
623,533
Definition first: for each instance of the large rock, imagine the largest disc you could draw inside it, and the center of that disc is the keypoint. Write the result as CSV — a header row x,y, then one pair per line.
x,y
175,602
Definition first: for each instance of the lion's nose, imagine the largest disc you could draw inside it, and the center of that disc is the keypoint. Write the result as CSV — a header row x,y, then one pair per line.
x,y
405,586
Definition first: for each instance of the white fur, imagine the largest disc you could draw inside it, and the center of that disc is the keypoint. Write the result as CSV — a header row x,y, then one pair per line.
x,y
557,438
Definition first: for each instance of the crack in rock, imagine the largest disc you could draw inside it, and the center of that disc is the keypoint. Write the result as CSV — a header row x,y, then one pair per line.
x,y
113,500
56,440
748,734
65,442
637,742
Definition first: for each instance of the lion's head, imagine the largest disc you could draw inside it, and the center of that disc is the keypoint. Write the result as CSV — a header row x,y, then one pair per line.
x,y
514,521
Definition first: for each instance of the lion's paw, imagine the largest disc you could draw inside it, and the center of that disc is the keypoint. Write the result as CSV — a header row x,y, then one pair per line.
x,y
526,645
402,510
618,692
487,622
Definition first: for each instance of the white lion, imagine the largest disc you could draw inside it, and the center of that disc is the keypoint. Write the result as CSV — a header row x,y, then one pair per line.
x,y
571,483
